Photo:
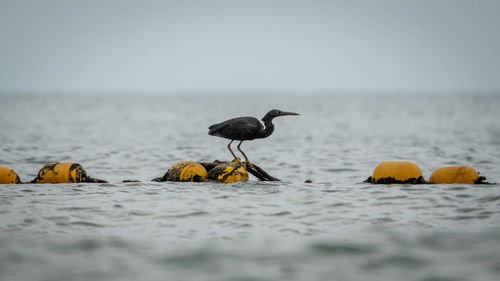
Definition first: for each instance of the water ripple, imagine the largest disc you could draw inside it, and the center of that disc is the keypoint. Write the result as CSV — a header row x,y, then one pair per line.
x,y
489,198
81,223
287,230
336,249
187,215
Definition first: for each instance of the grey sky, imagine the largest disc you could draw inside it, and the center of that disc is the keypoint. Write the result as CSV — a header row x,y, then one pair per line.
x,y
116,45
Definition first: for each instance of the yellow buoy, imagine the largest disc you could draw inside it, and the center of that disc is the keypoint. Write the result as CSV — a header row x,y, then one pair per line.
x,y
397,172
8,176
61,172
455,174
228,172
186,171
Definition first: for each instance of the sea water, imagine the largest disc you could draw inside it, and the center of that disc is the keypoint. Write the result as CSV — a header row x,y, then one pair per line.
x,y
335,228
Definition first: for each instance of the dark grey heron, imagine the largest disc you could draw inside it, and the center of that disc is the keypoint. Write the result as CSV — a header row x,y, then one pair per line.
x,y
246,128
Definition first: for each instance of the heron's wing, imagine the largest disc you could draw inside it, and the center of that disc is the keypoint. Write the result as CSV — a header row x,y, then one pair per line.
x,y
241,128
246,128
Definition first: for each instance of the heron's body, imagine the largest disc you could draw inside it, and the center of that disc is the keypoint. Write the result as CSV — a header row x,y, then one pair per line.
x,y
246,128
241,128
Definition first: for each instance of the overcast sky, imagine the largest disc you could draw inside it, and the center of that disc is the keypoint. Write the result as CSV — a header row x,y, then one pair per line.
x,y
167,46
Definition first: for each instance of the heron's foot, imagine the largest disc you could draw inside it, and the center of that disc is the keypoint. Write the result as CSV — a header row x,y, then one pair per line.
x,y
237,161
248,164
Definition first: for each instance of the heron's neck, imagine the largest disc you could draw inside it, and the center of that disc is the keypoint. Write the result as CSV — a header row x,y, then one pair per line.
x,y
268,130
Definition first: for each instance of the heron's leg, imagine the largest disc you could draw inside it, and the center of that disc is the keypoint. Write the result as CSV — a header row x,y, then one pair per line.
x,y
229,147
246,158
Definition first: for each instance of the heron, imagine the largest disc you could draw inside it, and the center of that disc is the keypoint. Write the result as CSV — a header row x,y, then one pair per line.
x,y
245,129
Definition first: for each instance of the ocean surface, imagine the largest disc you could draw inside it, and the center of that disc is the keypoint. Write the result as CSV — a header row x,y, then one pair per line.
x,y
335,228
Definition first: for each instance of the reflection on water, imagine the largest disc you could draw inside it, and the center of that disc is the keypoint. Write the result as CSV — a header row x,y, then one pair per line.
x,y
333,228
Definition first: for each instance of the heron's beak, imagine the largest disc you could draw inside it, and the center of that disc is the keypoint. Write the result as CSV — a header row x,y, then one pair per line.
x,y
288,113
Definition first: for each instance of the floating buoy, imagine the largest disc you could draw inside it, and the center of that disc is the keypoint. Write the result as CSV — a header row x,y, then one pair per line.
x,y
61,172
228,172
456,174
8,176
397,172
186,171
215,171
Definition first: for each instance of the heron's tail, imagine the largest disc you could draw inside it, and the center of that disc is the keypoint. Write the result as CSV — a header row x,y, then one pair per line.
x,y
214,129
211,129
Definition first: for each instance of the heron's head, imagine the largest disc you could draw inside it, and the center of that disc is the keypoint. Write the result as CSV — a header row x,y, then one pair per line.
x,y
275,113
